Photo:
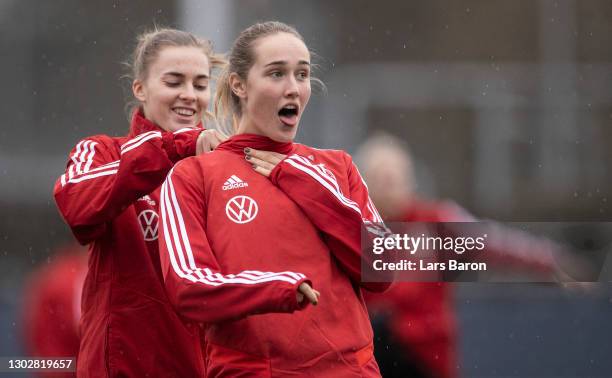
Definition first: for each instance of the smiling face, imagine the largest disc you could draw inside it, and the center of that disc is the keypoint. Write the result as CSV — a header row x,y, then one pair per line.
x,y
175,92
277,87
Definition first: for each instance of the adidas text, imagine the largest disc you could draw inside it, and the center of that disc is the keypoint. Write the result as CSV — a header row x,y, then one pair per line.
x,y
235,185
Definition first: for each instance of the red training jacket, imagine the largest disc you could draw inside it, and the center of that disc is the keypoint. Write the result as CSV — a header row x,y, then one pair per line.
x,y
108,197
421,314
51,308
235,246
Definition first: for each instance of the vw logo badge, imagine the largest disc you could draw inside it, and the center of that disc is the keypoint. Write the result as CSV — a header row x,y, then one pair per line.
x,y
149,223
241,209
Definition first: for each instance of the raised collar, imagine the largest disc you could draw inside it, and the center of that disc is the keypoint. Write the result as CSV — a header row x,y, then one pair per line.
x,y
238,143
141,125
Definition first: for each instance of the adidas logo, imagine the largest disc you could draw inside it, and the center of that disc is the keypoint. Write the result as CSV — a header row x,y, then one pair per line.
x,y
234,182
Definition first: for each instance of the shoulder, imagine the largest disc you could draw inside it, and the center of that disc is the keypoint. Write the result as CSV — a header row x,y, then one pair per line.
x,y
100,141
100,148
207,164
324,155
189,164
335,163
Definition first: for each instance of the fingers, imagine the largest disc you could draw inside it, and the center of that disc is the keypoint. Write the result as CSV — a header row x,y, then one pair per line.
x,y
258,163
215,139
199,147
267,156
263,161
222,136
204,142
308,293
262,171
208,140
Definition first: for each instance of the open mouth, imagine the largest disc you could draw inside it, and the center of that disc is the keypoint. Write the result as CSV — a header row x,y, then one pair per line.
x,y
288,115
185,112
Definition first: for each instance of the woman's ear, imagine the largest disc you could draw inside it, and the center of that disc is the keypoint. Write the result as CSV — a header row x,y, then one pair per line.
x,y
138,90
237,86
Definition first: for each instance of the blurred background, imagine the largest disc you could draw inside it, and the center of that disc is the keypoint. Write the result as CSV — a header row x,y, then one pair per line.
x,y
505,105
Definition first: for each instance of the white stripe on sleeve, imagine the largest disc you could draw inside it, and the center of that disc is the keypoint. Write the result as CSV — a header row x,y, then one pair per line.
x,y
176,238
137,139
184,129
151,135
327,182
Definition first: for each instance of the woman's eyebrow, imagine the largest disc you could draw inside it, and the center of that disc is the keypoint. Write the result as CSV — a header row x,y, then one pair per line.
x,y
284,62
181,76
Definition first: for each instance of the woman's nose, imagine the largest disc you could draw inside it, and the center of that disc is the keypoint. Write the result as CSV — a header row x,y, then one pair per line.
x,y
292,88
188,93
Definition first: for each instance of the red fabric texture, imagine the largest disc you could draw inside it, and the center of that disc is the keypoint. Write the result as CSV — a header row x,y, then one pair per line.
x,y
109,197
237,269
422,315
51,311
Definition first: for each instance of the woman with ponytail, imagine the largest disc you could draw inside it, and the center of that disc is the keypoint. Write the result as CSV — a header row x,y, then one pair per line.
x,y
249,230
109,196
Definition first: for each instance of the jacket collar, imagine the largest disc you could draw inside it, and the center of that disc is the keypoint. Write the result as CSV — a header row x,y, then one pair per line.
x,y
238,143
141,125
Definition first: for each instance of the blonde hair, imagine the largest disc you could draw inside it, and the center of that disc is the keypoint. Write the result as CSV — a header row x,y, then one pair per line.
x,y
151,43
241,58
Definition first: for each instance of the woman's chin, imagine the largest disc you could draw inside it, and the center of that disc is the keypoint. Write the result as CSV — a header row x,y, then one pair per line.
x,y
283,137
285,134
174,126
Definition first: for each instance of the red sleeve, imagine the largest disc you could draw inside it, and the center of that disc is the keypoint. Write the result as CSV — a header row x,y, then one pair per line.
x,y
196,286
506,247
342,217
97,185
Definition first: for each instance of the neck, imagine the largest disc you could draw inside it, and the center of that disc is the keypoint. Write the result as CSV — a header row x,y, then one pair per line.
x,y
239,142
246,126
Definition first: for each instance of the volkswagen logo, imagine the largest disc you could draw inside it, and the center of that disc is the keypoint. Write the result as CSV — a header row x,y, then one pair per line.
x,y
149,223
241,209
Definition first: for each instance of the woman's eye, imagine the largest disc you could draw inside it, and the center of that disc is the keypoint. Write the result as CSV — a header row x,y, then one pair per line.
x,y
172,85
200,87
276,74
303,75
